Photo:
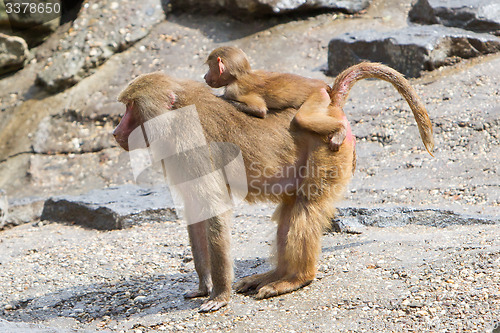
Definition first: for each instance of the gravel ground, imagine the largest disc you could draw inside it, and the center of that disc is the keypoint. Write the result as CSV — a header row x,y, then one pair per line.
x,y
395,279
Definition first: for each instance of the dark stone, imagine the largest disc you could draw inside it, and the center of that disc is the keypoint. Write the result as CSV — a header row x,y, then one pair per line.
x,y
411,50
13,53
478,15
112,208
263,7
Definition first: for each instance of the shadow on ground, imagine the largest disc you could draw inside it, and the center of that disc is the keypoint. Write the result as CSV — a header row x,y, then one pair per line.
x,y
123,299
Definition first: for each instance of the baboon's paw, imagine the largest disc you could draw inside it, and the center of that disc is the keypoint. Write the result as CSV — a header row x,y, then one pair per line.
x,y
213,305
196,293
280,287
251,283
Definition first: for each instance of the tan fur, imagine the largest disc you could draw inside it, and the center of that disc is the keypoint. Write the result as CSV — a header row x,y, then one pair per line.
x,y
268,147
278,90
261,91
235,60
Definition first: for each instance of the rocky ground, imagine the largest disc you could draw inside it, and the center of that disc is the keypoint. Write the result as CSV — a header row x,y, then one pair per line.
x,y
393,279
416,275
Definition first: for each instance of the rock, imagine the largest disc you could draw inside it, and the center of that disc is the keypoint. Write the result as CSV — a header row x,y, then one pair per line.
x,y
264,7
25,210
33,25
92,40
52,174
350,219
478,15
112,208
4,207
411,50
13,53
72,133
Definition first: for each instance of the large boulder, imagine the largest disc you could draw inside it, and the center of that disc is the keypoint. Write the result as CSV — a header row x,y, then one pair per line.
x,y
411,50
13,53
266,7
92,40
72,133
477,15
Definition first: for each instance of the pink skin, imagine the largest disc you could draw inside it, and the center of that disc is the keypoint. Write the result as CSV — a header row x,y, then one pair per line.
x,y
222,68
130,121
349,136
127,124
334,143
325,95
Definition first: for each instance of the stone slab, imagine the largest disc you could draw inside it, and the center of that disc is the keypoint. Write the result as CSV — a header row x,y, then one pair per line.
x,y
112,208
412,50
477,15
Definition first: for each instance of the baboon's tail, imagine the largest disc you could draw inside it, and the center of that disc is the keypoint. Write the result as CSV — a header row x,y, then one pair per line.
x,y
345,80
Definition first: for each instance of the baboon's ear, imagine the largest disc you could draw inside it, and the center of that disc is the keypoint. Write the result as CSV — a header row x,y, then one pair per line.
x,y
222,68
